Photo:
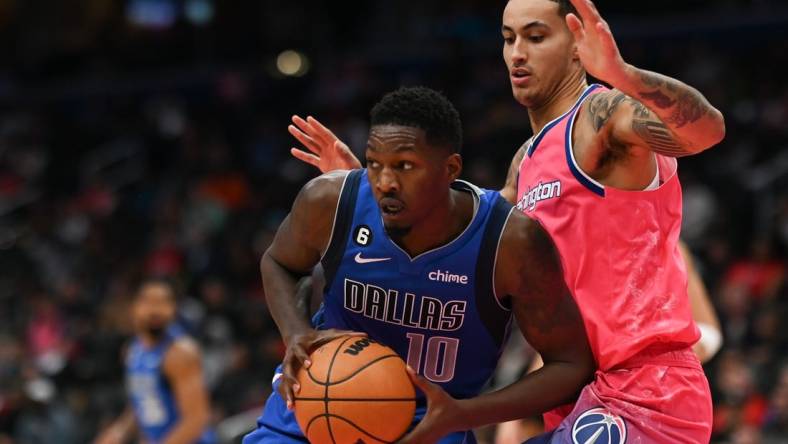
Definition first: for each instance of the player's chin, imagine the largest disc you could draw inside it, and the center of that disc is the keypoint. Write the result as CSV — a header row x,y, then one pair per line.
x,y
396,228
522,95
158,323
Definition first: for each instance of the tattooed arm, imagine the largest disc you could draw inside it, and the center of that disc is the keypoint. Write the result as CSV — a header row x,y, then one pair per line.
x,y
509,190
668,117
647,109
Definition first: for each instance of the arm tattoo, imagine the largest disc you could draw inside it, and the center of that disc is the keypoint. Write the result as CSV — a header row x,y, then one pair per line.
x,y
658,137
645,124
509,191
684,104
601,107
658,98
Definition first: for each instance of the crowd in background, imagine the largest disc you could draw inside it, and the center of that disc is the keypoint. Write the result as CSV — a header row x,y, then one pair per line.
x,y
132,148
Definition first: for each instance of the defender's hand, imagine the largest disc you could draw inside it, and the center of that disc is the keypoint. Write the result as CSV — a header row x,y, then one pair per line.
x,y
298,349
596,46
328,153
444,414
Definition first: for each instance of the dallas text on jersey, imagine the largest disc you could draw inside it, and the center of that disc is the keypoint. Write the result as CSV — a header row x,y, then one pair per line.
x,y
384,305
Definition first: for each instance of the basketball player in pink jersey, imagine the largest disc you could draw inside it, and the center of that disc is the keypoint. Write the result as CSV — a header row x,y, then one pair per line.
x,y
600,176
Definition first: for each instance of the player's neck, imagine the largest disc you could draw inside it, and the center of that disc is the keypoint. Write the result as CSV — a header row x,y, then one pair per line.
x,y
148,340
558,103
444,224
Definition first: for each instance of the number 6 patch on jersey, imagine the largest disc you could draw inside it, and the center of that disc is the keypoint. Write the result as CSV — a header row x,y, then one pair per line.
x,y
362,235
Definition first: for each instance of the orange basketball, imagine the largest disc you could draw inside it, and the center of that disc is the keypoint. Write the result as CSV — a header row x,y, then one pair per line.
x,y
355,391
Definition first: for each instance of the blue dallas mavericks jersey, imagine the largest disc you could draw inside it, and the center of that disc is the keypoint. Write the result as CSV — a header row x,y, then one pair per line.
x,y
151,396
438,310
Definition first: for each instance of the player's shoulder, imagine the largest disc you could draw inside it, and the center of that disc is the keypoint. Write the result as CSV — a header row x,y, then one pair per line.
x,y
526,256
603,103
602,100
182,352
324,189
523,237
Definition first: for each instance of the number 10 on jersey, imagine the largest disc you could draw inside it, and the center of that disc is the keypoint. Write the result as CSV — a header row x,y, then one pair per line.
x,y
439,358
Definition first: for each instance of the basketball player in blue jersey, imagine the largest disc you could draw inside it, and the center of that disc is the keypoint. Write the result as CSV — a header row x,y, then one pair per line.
x,y
168,400
431,266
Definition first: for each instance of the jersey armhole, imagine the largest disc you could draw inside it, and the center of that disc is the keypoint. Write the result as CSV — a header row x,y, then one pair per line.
x,y
582,177
494,312
343,217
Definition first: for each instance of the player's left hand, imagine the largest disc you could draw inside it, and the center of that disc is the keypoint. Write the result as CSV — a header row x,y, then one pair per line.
x,y
596,46
443,416
328,153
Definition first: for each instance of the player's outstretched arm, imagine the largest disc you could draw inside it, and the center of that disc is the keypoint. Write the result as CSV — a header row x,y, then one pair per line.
x,y
182,367
646,109
702,311
124,426
529,270
120,431
327,152
297,247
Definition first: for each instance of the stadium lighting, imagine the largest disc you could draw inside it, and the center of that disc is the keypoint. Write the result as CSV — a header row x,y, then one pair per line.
x,y
292,63
199,12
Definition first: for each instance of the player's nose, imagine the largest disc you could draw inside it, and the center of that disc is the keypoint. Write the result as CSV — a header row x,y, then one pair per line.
x,y
519,52
387,181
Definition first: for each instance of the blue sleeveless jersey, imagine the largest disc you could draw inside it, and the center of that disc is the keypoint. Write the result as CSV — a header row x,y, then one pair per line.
x,y
438,310
149,392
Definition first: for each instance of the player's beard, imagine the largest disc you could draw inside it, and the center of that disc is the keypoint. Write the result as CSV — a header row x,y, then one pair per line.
x,y
397,232
156,332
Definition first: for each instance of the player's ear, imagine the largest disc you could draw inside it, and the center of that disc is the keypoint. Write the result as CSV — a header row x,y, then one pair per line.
x,y
454,166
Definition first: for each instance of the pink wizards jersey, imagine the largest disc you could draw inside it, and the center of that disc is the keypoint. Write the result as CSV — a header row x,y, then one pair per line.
x,y
619,249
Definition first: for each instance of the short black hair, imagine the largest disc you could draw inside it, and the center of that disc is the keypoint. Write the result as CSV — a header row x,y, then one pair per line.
x,y
565,7
422,108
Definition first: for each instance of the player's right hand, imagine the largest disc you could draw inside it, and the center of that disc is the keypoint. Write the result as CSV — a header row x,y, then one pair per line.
x,y
299,347
110,436
328,153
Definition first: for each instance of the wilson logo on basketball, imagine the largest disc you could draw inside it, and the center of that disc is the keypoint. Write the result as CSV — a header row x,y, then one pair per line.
x,y
356,347
356,391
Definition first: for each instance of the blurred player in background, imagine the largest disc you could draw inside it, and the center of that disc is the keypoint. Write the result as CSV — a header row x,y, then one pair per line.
x,y
600,175
169,403
436,276
702,311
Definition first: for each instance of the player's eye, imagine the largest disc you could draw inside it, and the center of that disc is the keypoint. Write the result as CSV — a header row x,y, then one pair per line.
x,y
406,166
536,38
508,40
372,164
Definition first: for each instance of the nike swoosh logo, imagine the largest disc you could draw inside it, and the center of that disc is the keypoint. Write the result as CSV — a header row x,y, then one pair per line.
x,y
368,260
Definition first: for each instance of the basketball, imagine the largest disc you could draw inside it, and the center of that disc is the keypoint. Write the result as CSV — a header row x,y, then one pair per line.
x,y
355,391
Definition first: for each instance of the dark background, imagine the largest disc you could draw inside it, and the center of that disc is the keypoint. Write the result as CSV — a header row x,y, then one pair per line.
x,y
149,137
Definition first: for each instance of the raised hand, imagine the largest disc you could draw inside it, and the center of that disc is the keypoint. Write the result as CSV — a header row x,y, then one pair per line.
x,y
298,349
328,153
444,414
596,46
